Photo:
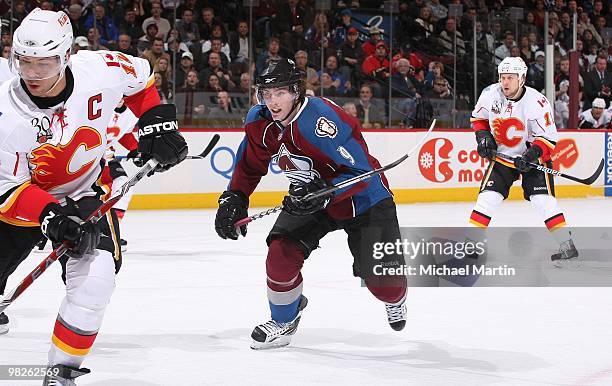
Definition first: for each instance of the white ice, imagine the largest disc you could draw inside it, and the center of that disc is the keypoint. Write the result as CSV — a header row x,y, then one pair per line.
x,y
186,302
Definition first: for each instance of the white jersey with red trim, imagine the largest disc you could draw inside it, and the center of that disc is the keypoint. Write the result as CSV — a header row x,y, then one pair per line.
x,y
60,149
514,123
5,71
121,123
587,120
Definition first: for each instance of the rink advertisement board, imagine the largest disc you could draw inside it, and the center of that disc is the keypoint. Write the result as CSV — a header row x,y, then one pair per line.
x,y
608,165
446,167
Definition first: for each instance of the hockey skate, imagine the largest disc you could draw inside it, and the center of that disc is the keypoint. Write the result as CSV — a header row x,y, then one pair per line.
x,y
4,323
123,244
60,375
396,314
275,334
566,257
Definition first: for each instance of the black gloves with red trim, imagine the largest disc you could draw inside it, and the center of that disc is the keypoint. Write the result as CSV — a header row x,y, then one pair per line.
x,y
233,206
487,147
159,137
62,223
532,154
297,207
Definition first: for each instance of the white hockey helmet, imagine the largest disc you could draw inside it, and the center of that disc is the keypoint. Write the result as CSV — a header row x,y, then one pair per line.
x,y
513,65
42,34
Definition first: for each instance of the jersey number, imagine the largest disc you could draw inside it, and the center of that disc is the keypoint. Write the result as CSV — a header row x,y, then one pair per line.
x,y
120,60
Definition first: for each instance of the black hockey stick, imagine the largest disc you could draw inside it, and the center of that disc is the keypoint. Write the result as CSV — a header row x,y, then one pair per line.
x,y
62,249
343,184
202,155
542,168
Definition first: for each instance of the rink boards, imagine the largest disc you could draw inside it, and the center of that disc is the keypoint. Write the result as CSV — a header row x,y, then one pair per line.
x,y
445,168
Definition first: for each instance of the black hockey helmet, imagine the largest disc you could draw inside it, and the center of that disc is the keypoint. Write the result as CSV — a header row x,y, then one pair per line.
x,y
279,73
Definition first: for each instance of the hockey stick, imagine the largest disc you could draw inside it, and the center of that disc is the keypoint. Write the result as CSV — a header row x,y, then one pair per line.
x,y
542,168
62,249
202,155
342,184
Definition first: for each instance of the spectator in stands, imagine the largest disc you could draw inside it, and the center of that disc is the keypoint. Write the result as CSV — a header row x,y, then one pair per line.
x,y
115,11
163,25
138,7
535,73
352,55
435,70
598,83
186,65
533,42
585,21
331,68
75,12
561,109
484,40
340,34
240,52
561,76
223,111
291,22
596,117
215,67
370,114
328,86
191,88
597,11
301,62
213,84
528,24
447,37
156,52
515,52
600,23
124,44
440,90
217,35
438,10
370,45
401,81
47,6
93,37
163,66
425,24
207,22
175,48
161,83
265,56
525,49
244,86
106,27
350,109
187,28
539,13
19,13
129,26
503,51
376,66
318,35
146,41
216,46
80,43
263,15
6,52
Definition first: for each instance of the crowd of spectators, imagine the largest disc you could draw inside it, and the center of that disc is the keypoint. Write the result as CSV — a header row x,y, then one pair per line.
x,y
205,56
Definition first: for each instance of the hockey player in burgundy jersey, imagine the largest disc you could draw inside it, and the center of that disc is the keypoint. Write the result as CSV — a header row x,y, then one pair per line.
x,y
316,145
52,144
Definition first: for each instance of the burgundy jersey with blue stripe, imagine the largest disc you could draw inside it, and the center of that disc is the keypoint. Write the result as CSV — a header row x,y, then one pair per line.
x,y
321,141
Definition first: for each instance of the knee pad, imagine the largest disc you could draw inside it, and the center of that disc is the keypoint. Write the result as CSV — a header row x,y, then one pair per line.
x,y
546,205
285,260
90,280
485,207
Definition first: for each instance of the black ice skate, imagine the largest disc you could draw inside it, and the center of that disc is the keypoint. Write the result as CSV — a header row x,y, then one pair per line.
x,y
396,314
123,245
4,323
60,375
275,334
566,256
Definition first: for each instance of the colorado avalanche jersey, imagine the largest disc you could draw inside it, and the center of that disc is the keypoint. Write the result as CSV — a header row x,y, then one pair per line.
x,y
59,150
516,122
321,141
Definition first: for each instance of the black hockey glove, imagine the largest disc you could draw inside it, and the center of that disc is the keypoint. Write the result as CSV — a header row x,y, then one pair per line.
x,y
530,155
159,137
134,155
486,144
297,207
233,206
61,223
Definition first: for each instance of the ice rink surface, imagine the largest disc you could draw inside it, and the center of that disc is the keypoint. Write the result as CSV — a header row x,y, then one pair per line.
x,y
186,302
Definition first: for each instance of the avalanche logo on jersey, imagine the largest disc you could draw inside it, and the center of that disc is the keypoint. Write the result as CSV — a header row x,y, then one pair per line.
x,y
325,128
56,165
297,168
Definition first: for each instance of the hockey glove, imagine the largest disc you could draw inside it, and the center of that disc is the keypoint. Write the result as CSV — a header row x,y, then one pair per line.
x,y
530,155
294,205
486,144
134,155
60,224
159,137
233,206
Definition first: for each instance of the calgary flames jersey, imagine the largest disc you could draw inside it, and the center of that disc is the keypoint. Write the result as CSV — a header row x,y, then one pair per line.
x,y
514,123
5,72
59,150
120,130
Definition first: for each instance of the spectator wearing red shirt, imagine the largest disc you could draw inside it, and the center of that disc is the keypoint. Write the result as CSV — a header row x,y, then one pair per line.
x,y
377,64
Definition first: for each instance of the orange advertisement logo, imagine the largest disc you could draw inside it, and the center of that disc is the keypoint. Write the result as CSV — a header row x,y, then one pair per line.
x,y
56,165
432,151
565,154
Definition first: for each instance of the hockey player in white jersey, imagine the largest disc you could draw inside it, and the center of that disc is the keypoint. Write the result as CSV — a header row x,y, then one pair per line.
x,y
516,120
597,117
52,145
